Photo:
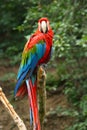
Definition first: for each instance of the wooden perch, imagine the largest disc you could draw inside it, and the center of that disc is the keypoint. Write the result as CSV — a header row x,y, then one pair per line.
x,y
41,82
12,112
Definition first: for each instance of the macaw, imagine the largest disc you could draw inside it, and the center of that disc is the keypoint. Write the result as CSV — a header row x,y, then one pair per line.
x,y
37,51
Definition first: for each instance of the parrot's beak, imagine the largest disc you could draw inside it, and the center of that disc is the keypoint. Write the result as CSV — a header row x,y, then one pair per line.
x,y
43,27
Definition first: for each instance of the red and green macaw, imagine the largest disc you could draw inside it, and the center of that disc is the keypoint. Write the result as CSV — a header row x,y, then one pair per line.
x,y
37,51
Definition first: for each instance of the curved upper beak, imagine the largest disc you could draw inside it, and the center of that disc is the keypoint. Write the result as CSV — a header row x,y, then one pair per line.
x,y
43,27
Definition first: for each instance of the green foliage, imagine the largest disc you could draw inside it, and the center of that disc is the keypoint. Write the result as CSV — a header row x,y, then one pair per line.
x,y
15,59
7,77
66,112
83,105
11,50
79,126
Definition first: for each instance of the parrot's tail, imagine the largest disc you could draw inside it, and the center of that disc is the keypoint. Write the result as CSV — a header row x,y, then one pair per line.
x,y
22,91
30,87
32,94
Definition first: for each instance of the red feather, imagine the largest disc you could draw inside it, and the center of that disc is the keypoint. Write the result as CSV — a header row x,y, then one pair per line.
x,y
22,91
32,93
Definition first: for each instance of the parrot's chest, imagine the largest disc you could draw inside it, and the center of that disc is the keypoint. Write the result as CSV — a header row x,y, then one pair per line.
x,y
46,56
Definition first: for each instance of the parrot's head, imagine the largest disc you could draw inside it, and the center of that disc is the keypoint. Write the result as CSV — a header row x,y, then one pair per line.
x,y
43,25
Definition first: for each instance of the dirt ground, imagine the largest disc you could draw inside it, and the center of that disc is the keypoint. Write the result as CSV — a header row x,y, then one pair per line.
x,y
55,99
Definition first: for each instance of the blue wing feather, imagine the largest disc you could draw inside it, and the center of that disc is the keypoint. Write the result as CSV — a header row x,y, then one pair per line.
x,y
30,65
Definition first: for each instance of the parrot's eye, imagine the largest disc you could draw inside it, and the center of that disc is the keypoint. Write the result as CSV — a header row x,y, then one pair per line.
x,y
43,27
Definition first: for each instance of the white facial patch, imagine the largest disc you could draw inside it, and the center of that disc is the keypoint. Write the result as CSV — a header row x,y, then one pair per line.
x,y
43,26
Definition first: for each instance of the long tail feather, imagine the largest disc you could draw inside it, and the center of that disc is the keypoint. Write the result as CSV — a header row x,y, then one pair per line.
x,y
33,104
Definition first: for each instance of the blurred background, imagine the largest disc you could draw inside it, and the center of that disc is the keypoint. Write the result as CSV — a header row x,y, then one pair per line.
x,y
66,72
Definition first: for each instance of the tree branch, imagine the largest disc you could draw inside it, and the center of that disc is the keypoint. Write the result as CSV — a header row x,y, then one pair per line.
x,y
12,112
